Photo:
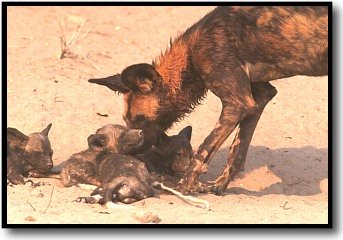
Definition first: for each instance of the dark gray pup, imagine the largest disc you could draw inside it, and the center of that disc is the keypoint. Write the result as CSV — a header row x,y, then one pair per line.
x,y
170,155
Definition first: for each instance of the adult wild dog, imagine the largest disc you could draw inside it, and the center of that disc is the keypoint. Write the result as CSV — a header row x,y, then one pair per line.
x,y
234,52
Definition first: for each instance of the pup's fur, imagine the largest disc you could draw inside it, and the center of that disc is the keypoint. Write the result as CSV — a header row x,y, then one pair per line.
x,y
123,178
80,167
28,155
128,179
170,155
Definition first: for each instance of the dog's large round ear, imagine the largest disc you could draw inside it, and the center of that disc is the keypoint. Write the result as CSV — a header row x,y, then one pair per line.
x,y
97,142
46,130
114,83
141,77
15,138
187,132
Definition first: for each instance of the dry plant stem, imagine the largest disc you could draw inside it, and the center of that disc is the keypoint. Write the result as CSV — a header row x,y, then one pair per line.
x,y
52,191
31,205
65,46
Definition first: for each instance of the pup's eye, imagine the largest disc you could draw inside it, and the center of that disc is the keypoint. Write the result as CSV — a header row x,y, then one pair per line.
x,y
39,153
140,118
178,153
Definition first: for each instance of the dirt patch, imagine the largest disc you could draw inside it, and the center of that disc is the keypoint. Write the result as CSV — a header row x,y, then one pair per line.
x,y
286,174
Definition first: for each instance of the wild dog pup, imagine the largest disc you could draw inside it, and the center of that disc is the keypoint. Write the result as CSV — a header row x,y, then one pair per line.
x,y
129,179
28,155
122,139
80,167
123,178
170,155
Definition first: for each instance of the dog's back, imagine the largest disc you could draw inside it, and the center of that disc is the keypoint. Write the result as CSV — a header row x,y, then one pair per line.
x,y
295,39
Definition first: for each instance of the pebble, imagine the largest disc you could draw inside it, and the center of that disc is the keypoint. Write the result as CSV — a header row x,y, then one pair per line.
x,y
30,218
146,217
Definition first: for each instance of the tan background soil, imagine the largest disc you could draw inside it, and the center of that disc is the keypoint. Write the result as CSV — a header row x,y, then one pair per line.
x,y
286,174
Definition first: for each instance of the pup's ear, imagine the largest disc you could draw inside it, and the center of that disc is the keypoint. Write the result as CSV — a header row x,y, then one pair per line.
x,y
114,83
46,130
15,138
187,132
141,77
97,142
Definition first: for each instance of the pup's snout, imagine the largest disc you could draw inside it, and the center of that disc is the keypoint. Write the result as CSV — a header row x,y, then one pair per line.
x,y
49,165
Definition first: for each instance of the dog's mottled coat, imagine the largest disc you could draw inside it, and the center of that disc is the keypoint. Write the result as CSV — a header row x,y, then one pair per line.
x,y
234,52
28,155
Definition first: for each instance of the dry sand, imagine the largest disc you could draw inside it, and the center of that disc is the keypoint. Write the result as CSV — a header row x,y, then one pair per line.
x,y
286,174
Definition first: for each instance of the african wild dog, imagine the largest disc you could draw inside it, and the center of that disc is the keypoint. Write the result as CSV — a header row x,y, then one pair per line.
x,y
234,52
131,178
28,155
80,167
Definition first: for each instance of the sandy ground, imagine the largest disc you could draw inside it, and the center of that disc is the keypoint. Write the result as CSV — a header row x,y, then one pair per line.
x,y
286,174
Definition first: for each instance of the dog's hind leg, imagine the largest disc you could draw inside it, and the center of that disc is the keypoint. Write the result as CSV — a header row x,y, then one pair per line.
x,y
262,93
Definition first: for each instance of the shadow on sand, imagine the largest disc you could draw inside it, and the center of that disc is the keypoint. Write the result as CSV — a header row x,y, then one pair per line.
x,y
299,170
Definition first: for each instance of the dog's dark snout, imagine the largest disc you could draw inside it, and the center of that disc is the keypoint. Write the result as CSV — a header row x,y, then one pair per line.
x,y
49,165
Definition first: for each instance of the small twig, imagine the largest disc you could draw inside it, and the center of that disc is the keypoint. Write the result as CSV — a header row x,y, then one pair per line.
x,y
62,24
102,115
56,99
85,33
104,212
100,33
284,206
76,34
52,191
31,205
